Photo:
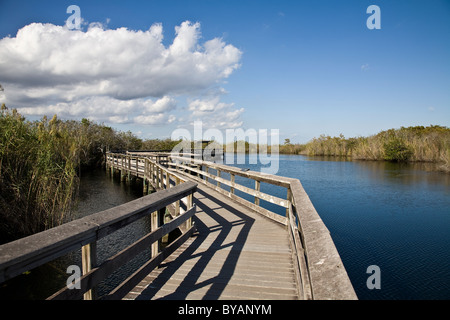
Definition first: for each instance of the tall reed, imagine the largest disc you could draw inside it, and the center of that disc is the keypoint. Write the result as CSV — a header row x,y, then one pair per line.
x,y
40,165
38,174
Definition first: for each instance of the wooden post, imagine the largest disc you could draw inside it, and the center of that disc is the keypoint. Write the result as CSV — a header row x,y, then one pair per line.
x,y
112,165
257,188
289,199
177,203
154,225
190,203
232,183
218,175
144,181
88,262
137,167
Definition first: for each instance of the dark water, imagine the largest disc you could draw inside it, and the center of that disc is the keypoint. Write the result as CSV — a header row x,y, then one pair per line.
x,y
395,216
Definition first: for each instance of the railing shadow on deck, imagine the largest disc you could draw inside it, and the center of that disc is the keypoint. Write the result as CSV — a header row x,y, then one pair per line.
x,y
218,282
320,273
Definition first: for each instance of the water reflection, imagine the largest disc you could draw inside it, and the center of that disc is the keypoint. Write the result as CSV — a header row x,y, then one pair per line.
x,y
420,174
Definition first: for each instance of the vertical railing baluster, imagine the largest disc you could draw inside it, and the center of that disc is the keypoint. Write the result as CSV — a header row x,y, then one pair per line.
x,y
289,199
218,175
88,262
232,183
257,188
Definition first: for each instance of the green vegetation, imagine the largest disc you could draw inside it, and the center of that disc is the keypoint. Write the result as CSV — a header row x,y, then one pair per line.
x,y
289,148
38,174
418,143
40,166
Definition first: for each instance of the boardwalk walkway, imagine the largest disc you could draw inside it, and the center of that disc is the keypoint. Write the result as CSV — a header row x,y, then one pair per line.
x,y
236,254
226,246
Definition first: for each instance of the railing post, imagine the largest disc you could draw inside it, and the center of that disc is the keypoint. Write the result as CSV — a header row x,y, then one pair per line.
x,y
154,225
112,165
190,203
137,166
88,262
154,175
218,175
177,203
144,180
123,170
289,199
232,183
257,188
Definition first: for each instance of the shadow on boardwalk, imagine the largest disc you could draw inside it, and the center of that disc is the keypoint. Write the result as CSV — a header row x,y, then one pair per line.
x,y
201,251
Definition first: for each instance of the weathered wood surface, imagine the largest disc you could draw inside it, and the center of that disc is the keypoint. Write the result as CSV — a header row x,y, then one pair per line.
x,y
319,271
236,254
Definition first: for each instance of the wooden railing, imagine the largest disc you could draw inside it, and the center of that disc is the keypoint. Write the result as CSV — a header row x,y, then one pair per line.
x,y
27,253
320,272
150,168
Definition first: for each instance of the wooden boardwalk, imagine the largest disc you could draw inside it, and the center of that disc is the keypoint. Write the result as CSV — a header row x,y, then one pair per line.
x,y
236,254
227,246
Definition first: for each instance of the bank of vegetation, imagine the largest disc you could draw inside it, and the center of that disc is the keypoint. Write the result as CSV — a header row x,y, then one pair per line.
x,y
407,144
41,163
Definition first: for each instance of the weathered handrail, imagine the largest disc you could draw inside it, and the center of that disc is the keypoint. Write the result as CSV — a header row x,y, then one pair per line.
x,y
149,168
201,169
30,252
319,269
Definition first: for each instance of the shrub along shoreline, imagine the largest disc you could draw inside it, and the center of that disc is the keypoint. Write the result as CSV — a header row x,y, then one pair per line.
x,y
407,144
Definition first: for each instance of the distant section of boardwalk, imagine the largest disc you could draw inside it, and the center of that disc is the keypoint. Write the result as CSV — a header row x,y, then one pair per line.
x,y
236,254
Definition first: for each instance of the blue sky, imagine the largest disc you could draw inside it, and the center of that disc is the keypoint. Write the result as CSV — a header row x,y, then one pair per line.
x,y
303,67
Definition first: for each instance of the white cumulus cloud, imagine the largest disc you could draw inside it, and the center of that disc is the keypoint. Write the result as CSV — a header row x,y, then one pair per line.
x,y
215,114
120,76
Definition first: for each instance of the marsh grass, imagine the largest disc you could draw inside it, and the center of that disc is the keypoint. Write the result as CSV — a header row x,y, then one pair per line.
x,y
38,174
411,144
40,166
